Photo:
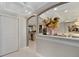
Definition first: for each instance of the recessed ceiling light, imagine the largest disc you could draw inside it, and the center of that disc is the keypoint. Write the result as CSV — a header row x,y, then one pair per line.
x,y
66,11
29,12
26,10
55,9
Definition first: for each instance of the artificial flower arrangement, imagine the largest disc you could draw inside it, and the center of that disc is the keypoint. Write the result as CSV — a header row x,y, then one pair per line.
x,y
51,25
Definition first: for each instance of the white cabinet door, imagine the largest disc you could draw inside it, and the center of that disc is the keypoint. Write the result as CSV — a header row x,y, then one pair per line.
x,y
8,34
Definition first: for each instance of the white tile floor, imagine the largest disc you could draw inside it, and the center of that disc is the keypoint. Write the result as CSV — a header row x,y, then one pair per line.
x,y
25,52
32,45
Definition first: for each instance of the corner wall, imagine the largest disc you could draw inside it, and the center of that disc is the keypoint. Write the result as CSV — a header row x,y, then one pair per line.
x,y
22,32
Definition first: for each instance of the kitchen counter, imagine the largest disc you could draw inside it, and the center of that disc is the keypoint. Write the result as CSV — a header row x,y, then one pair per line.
x,y
69,40
70,36
49,45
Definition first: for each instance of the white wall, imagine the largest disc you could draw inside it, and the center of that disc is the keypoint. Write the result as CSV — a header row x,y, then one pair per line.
x,y
32,21
63,27
12,34
22,32
12,28
9,34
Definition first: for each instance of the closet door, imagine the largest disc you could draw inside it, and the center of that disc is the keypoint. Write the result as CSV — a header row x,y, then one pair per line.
x,y
9,34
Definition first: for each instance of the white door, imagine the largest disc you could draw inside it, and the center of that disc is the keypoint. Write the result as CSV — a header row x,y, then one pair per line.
x,y
8,34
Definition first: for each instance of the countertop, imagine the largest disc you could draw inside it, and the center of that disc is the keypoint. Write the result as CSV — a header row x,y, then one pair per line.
x,y
68,36
72,40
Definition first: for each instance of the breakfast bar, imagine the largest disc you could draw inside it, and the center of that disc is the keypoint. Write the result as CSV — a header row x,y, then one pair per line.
x,y
58,46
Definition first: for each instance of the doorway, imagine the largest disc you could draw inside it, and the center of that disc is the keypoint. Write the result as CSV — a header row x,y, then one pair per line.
x,y
31,40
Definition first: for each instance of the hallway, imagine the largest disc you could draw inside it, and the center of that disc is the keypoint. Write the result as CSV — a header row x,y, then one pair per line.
x,y
39,29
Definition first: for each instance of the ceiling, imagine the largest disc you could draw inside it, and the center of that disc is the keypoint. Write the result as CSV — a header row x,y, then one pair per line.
x,y
22,8
67,12
25,8
32,6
